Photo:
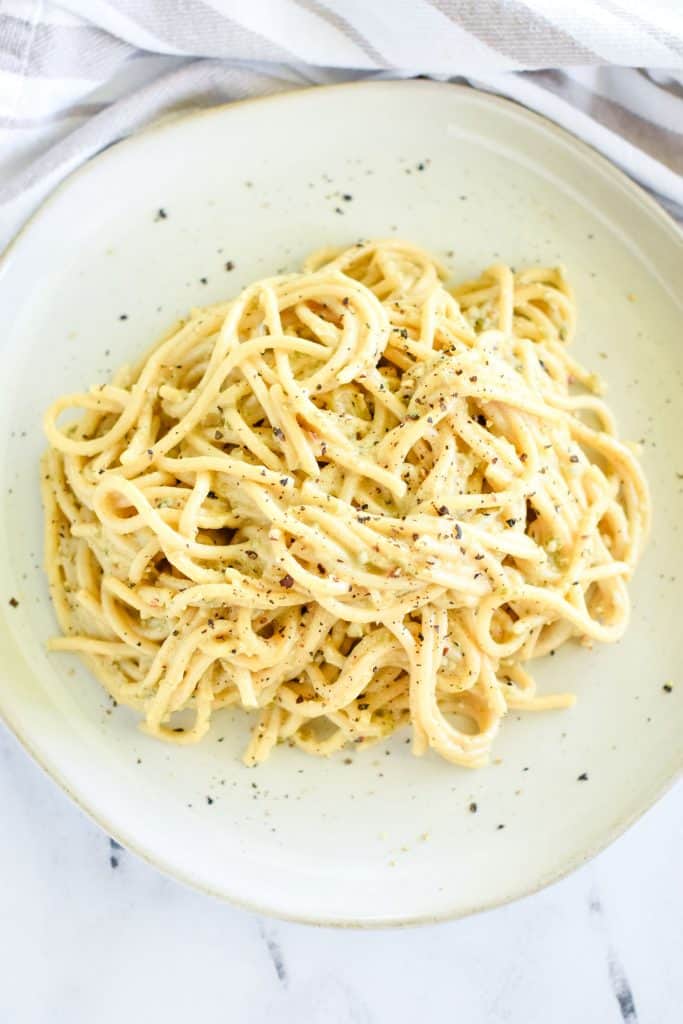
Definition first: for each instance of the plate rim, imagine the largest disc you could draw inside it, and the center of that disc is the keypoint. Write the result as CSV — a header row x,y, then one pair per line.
x,y
616,177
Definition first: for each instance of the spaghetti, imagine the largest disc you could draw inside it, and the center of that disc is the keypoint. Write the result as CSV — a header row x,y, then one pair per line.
x,y
350,499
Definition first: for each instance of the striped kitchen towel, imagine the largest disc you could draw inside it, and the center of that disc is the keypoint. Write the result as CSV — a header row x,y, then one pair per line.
x,y
77,75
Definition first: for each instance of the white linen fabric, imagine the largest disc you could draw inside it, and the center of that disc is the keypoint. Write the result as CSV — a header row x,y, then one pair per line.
x,y
78,75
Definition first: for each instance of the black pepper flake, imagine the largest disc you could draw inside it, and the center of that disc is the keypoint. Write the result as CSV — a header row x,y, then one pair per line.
x,y
209,800
284,481
347,197
583,777
338,209
510,522
443,510
499,827
473,808
668,688
279,434
573,458
230,265
123,316
345,300
287,582
363,707
161,214
13,602
203,280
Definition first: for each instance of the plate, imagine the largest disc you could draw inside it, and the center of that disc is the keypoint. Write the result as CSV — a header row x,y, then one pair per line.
x,y
187,213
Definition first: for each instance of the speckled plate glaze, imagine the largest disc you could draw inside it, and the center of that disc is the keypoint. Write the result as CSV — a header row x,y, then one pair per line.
x,y
190,211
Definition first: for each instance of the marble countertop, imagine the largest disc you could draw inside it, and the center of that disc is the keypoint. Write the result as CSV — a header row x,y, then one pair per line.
x,y
93,935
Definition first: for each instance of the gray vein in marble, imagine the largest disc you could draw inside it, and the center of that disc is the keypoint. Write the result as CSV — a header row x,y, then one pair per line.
x,y
617,975
275,954
114,848
622,990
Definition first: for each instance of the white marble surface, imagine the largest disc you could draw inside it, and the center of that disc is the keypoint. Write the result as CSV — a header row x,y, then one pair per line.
x,y
90,934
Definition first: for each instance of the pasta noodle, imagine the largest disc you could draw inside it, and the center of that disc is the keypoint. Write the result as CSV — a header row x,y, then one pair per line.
x,y
349,500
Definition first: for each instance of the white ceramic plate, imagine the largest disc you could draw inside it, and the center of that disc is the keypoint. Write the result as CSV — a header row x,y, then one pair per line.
x,y
386,838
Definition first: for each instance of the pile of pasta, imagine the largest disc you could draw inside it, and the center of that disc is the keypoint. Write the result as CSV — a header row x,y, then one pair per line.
x,y
349,500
